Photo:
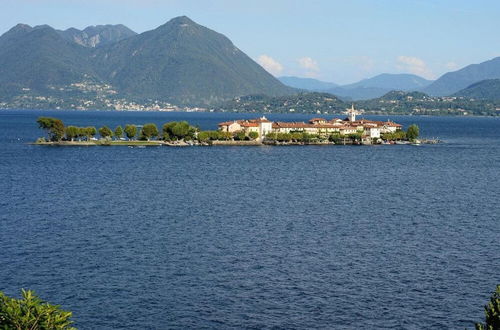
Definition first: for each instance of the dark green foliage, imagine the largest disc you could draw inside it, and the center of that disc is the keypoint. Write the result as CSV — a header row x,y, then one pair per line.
x,y
335,138
492,313
178,131
105,132
240,136
130,131
355,136
412,132
118,132
253,135
149,131
292,137
483,90
89,132
72,132
53,126
205,136
396,136
30,312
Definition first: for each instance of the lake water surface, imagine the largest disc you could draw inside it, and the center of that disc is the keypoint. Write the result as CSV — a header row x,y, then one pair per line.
x,y
342,237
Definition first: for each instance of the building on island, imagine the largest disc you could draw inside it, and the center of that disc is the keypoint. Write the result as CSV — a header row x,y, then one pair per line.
x,y
319,126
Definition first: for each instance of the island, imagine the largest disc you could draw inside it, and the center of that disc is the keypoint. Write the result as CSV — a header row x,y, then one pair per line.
x,y
259,131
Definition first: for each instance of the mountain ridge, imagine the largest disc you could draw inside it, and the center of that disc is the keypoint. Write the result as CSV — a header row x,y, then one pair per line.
x,y
180,62
455,81
488,89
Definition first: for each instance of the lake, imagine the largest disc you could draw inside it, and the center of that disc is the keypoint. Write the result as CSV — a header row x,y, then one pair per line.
x,y
343,237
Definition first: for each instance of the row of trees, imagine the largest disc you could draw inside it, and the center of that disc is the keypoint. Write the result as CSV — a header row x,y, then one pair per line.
x,y
411,134
306,137
56,131
171,131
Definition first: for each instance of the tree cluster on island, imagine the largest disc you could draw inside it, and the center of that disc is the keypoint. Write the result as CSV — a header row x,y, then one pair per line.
x,y
182,131
171,131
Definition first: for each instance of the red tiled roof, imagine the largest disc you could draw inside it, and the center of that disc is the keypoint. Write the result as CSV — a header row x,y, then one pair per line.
x,y
249,124
227,123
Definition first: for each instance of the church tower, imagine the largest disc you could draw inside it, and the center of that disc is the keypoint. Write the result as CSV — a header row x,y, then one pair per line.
x,y
351,113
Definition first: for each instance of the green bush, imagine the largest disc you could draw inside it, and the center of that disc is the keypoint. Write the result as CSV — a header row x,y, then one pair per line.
x,y
105,132
412,132
492,313
149,131
253,135
178,131
30,312
239,136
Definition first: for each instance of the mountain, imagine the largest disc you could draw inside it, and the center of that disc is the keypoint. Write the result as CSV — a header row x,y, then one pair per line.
x,y
453,82
403,96
97,36
312,102
309,84
37,58
186,63
484,90
379,85
179,62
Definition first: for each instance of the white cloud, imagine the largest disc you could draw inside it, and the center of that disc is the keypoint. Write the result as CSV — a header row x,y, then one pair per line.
x,y
414,65
270,64
308,63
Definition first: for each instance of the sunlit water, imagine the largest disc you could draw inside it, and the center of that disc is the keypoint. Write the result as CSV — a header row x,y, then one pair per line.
x,y
345,237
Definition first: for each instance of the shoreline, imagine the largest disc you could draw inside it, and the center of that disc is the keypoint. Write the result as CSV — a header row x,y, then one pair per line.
x,y
216,143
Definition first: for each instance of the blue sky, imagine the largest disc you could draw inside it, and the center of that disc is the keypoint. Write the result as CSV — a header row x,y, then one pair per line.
x,y
338,41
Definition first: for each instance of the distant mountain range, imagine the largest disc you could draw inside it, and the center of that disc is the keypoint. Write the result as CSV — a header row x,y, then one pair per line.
x,y
179,62
453,82
183,63
364,89
484,90
450,83
308,84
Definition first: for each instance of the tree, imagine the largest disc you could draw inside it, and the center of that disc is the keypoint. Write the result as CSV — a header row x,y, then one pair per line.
x,y
203,136
253,135
149,130
181,130
82,132
45,123
118,132
130,131
90,132
239,136
178,130
53,126
492,313
105,132
72,132
412,132
167,130
57,131
31,312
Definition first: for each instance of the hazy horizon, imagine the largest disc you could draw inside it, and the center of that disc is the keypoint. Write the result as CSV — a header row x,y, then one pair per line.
x,y
327,40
